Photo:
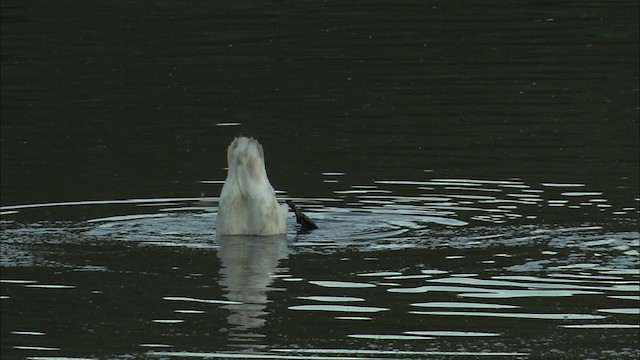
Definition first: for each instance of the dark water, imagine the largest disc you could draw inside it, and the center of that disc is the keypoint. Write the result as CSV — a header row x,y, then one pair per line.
x,y
473,169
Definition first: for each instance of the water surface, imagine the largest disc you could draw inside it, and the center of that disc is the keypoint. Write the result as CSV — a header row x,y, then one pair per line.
x,y
473,170
397,276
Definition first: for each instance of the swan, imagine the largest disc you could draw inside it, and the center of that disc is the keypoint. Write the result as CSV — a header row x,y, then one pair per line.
x,y
248,204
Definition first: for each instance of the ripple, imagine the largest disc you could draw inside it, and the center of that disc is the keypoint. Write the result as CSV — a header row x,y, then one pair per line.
x,y
98,268
31,333
408,277
452,333
433,271
602,326
168,321
626,297
397,352
427,288
581,193
562,185
189,311
50,286
331,298
464,305
339,308
465,291
206,301
544,279
155,345
36,348
102,202
629,311
620,272
539,316
127,217
342,284
503,283
357,318
17,281
242,355
380,273
389,337
479,181
598,242
404,182
507,294
361,191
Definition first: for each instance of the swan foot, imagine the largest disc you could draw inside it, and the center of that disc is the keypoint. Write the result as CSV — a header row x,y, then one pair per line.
x,y
306,224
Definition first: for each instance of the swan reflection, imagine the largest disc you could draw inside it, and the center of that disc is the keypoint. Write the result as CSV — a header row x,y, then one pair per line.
x,y
248,263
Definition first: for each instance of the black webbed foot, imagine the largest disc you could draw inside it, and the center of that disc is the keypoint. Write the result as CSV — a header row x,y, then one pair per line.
x,y
306,224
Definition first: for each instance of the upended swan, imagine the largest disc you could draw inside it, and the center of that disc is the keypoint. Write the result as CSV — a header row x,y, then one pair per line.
x,y
248,204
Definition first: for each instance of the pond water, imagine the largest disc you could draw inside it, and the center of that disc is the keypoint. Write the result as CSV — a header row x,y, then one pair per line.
x,y
473,171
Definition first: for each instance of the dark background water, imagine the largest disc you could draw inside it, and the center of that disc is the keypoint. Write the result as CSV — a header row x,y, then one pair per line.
x,y
494,143
104,100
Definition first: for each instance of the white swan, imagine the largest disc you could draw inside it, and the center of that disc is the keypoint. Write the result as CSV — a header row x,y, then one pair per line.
x,y
248,204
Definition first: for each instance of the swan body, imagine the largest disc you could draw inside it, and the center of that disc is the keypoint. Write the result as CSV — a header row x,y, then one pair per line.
x,y
248,204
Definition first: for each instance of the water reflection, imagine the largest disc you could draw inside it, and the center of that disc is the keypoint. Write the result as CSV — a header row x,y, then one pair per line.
x,y
248,265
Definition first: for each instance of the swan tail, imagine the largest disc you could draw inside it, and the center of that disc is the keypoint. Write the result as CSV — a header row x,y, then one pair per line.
x,y
247,157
